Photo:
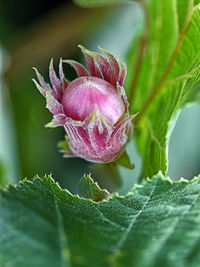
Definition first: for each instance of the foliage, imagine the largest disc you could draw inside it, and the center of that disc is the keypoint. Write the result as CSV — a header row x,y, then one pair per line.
x,y
90,189
168,76
156,224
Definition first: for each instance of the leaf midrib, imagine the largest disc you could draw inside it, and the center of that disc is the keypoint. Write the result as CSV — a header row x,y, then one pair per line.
x,y
64,257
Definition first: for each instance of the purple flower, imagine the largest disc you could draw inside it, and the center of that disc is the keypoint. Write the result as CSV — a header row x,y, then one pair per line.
x,y
93,108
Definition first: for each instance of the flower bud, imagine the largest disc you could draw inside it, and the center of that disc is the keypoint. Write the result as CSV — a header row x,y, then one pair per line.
x,y
85,94
93,108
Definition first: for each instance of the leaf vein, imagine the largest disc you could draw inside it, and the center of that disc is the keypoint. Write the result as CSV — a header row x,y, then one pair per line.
x,y
129,228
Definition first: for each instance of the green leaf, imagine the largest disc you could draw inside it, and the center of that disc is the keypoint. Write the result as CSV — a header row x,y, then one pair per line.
x,y
90,189
157,224
163,75
95,3
124,161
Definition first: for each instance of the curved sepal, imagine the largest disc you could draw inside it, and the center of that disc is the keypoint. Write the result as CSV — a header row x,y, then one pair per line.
x,y
106,67
79,68
55,81
58,120
52,104
123,72
114,66
120,128
39,87
45,85
91,63
62,76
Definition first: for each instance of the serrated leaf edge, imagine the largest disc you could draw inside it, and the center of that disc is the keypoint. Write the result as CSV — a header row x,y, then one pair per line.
x,y
159,175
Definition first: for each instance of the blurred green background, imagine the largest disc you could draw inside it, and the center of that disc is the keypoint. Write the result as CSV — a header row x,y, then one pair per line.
x,y
32,32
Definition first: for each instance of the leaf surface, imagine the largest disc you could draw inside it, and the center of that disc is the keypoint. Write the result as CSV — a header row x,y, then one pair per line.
x,y
90,189
165,76
157,224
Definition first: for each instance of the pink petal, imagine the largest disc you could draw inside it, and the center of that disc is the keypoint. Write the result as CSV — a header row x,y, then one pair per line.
x,y
53,105
104,67
113,65
120,128
39,87
90,60
72,132
123,72
44,85
98,128
62,76
58,120
55,81
79,68
122,94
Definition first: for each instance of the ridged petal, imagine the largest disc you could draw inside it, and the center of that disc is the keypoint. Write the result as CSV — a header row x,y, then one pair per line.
x,y
72,132
99,131
53,105
104,67
113,65
90,60
79,68
62,76
122,94
95,120
44,85
55,81
119,130
39,87
58,120
123,71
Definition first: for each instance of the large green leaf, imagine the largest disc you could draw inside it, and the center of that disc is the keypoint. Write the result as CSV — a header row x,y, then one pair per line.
x,y
157,224
165,76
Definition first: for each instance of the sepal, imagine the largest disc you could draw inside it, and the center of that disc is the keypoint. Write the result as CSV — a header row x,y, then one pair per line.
x,y
53,105
63,80
64,148
58,120
44,85
124,161
79,68
55,81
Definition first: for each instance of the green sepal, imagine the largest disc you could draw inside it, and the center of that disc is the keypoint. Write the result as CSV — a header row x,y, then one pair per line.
x,y
124,161
63,145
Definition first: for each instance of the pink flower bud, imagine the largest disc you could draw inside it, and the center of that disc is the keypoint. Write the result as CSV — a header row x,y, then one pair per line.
x,y
85,94
93,109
